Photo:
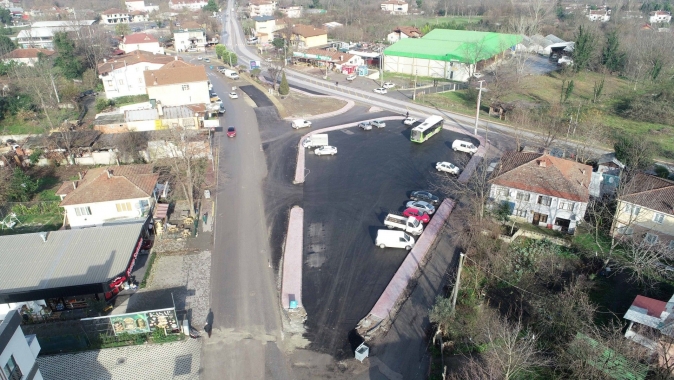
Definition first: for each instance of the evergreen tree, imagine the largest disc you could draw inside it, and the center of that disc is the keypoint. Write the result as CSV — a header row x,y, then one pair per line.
x,y
212,6
611,56
284,88
66,61
583,50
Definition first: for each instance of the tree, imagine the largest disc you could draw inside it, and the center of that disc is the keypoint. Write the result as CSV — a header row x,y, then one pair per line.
x,y
187,164
315,4
636,153
284,88
66,61
5,16
583,52
611,57
419,3
6,44
211,6
122,29
22,187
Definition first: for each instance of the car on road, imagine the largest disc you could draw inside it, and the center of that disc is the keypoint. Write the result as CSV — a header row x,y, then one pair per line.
x,y
325,150
221,110
207,59
233,95
219,68
410,120
394,239
380,90
426,196
231,132
464,146
421,206
388,85
199,58
301,123
420,215
191,50
447,167
365,125
352,77
378,123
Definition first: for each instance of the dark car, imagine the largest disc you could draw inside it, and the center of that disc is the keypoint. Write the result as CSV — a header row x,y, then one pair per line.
x,y
231,132
426,196
220,67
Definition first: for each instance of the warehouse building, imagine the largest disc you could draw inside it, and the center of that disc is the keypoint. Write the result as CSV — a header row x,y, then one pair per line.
x,y
445,53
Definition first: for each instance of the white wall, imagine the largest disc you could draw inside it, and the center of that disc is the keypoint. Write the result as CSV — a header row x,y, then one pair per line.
x,y
152,47
428,68
174,95
127,80
182,40
23,355
102,212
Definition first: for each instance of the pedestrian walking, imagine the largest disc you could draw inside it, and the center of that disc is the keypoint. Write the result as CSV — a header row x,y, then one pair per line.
x,y
407,114
336,84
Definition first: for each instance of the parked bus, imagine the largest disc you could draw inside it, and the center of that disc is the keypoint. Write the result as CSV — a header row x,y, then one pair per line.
x,y
428,128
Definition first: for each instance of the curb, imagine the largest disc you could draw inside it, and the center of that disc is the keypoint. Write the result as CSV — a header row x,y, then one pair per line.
x,y
291,283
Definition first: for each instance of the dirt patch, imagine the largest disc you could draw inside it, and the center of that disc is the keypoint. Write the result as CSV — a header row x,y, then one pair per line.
x,y
299,106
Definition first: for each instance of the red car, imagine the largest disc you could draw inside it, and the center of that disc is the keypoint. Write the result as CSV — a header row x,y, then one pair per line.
x,y
231,132
419,215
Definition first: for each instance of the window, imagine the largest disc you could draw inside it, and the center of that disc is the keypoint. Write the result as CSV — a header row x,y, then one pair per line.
x,y
670,246
110,83
543,219
186,87
12,370
566,206
651,238
545,201
520,213
121,207
503,192
140,80
523,196
632,210
658,218
121,81
625,230
82,211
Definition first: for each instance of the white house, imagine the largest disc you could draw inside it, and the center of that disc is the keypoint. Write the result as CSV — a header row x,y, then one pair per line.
x,y
292,12
27,56
395,6
261,7
403,32
41,37
139,16
108,194
543,190
187,39
190,5
115,16
601,15
17,351
141,41
139,5
659,17
178,86
123,75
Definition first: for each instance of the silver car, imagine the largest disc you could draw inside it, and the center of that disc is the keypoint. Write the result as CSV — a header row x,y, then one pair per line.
x,y
378,123
365,125
326,150
421,206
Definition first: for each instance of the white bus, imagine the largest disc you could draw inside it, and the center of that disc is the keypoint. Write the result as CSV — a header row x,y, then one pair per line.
x,y
430,126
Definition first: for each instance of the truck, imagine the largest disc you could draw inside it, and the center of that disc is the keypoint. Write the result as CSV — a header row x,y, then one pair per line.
x,y
313,141
300,123
394,239
408,224
231,74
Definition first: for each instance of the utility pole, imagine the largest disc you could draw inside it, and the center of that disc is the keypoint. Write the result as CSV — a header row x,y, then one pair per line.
x,y
477,113
381,70
414,94
455,292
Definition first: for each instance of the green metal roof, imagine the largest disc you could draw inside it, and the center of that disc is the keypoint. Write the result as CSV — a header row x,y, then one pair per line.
x,y
453,45
608,361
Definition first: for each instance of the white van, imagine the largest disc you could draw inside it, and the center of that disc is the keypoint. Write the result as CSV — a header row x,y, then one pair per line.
x,y
394,239
231,74
464,146
300,123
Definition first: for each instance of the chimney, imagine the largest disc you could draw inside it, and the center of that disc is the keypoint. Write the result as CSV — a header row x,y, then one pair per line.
x,y
105,60
109,173
542,163
44,235
80,175
74,185
160,109
583,171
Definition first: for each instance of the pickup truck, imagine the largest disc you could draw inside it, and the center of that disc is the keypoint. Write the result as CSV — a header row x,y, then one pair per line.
x,y
408,224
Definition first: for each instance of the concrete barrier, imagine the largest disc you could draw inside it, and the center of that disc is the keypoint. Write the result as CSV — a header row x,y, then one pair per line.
x,y
391,299
291,285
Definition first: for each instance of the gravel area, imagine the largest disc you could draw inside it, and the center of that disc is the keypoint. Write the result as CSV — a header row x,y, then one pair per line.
x,y
299,106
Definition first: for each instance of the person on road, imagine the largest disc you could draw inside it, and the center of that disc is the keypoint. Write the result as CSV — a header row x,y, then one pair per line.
x,y
336,84
407,114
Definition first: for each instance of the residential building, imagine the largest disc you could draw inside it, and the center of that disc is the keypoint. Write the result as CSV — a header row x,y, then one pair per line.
x,y
307,36
602,15
139,16
189,116
333,25
189,40
17,351
27,56
542,189
108,194
139,5
345,63
265,26
178,86
141,41
190,5
41,34
123,75
645,210
292,12
650,325
115,16
401,32
659,17
395,6
609,168
261,7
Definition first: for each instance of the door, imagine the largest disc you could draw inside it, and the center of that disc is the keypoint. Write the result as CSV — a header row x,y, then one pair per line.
x,y
537,218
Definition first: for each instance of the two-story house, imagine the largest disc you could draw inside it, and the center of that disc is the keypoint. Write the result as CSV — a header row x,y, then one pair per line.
x,y
265,26
656,17
139,5
123,75
292,11
191,5
395,6
189,40
646,210
307,36
403,32
27,56
542,189
602,15
115,16
261,7
141,41
178,86
108,194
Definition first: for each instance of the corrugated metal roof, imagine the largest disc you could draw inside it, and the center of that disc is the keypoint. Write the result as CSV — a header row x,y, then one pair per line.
x,y
177,112
141,115
67,258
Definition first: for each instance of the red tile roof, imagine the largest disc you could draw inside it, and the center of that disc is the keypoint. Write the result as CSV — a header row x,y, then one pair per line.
x,y
650,192
544,174
308,31
115,11
27,53
139,38
112,183
131,59
653,306
177,75
410,31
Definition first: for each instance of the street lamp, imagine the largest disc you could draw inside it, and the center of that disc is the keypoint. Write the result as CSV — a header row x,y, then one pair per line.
x,y
477,113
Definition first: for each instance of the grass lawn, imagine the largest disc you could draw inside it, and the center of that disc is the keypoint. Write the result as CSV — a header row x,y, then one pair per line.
x,y
421,20
35,223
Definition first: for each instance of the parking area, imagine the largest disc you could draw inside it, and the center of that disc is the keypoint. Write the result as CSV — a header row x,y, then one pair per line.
x,y
346,198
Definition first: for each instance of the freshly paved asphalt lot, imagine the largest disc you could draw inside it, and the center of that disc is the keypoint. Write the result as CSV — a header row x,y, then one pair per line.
x,y
346,198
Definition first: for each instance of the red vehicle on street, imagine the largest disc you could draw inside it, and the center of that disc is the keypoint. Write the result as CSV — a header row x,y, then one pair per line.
x,y
231,132
417,214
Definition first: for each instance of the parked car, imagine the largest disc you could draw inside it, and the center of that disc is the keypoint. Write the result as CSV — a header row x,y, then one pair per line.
x,y
447,167
388,85
352,77
219,68
565,61
365,125
233,95
420,215
328,149
207,59
191,50
410,120
426,196
221,109
300,123
394,239
199,58
380,90
421,206
408,224
464,146
378,123
231,132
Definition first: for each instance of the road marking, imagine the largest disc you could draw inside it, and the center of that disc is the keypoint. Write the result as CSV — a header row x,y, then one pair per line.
x,y
346,131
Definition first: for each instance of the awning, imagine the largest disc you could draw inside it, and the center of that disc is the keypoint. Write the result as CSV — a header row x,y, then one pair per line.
x,y
160,211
